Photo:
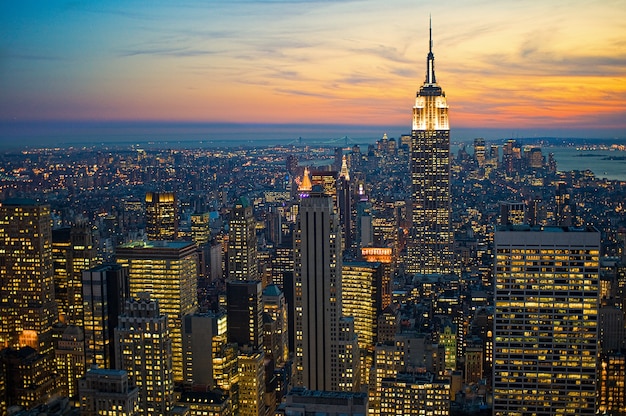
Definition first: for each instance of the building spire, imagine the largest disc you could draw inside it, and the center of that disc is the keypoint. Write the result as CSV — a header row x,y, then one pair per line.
x,y
306,182
430,62
344,173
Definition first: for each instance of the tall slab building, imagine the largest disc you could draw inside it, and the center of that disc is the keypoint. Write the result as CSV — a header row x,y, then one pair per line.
x,y
242,243
546,320
161,216
326,347
27,305
168,271
430,249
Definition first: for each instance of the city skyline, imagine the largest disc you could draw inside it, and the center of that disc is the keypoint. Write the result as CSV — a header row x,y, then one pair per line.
x,y
551,68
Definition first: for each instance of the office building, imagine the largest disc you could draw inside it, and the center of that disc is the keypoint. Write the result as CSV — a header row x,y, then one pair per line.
x,y
242,243
512,213
362,299
168,271
72,252
27,305
199,332
105,290
275,307
107,392
206,403
344,202
161,216
415,394
326,351
70,360
251,383
430,248
546,320
303,402
28,378
144,328
244,306
612,383
479,152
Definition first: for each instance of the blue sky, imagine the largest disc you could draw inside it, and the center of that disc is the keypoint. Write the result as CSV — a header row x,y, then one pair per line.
x,y
510,65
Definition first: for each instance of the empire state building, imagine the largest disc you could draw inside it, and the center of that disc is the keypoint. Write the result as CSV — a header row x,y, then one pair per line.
x,y
430,248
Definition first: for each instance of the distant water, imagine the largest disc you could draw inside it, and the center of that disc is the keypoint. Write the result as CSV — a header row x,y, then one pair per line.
x,y
609,164
603,163
20,135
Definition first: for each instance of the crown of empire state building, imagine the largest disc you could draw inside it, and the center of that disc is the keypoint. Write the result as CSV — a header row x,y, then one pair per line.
x,y
431,107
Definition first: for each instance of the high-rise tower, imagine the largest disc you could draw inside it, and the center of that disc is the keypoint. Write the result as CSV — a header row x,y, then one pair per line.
x,y
546,320
27,305
161,216
430,247
242,243
327,352
168,271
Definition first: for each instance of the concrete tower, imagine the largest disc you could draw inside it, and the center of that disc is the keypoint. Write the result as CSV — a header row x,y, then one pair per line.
x,y
321,334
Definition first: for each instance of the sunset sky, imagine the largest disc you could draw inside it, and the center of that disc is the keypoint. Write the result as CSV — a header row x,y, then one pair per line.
x,y
537,64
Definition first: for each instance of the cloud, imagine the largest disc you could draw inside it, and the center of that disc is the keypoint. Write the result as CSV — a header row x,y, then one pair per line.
x,y
172,52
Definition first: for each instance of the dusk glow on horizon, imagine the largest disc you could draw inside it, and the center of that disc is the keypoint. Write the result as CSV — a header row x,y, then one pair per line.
x,y
502,64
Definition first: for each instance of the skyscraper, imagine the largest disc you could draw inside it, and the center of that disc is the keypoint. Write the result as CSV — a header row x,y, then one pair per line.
x,y
168,270
344,200
27,305
430,249
161,216
546,320
242,243
105,290
245,313
144,349
72,252
104,391
326,347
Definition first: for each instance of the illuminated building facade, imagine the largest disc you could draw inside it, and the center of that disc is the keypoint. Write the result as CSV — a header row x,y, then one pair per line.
x,y
107,392
27,305
200,231
72,252
161,216
168,271
105,290
275,305
430,248
70,360
28,377
362,299
144,349
344,201
612,383
251,384
546,320
245,313
512,213
206,403
242,243
384,256
479,152
199,332
415,394
326,348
